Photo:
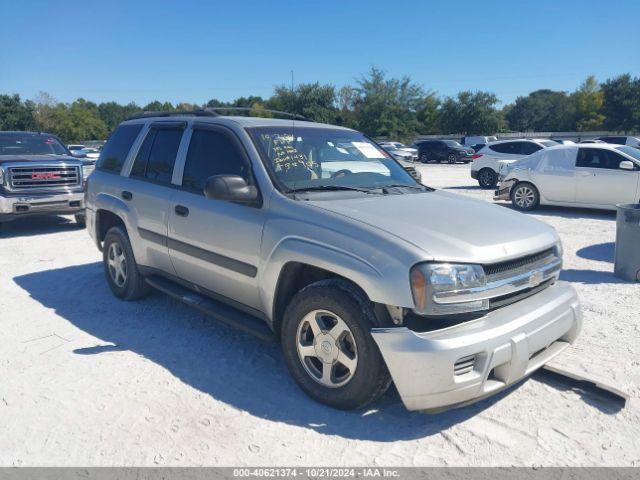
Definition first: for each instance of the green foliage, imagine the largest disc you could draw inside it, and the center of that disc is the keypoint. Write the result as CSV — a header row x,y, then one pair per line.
x,y
378,105
15,114
471,113
543,110
621,103
312,100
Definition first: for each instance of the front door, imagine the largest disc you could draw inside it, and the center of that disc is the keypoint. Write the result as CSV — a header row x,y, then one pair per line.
x,y
601,181
212,243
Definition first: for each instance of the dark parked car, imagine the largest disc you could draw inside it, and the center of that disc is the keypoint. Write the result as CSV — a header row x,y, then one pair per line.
x,y
440,151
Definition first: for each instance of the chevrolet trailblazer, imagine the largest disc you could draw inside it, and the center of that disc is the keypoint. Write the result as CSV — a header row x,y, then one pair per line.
x,y
312,233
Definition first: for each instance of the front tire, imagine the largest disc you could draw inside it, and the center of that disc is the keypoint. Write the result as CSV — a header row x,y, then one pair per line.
x,y
328,346
451,158
487,178
120,266
424,158
525,196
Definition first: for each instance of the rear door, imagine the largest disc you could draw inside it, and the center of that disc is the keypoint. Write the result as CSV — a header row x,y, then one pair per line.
x,y
599,179
149,190
215,244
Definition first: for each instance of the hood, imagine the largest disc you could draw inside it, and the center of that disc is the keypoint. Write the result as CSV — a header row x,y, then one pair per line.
x,y
448,227
38,158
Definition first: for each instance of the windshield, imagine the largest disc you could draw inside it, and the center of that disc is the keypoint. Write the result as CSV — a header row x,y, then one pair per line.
x,y
30,144
452,143
316,158
631,151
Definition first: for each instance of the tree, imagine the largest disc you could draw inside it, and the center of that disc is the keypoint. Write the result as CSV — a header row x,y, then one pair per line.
x,y
15,114
588,101
542,111
387,107
621,103
428,114
311,100
112,113
78,121
471,113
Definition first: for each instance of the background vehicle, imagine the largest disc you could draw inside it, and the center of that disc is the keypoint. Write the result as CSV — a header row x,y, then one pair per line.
x,y
563,142
39,175
594,176
486,162
621,140
400,154
400,146
77,150
477,142
440,151
591,141
91,153
254,225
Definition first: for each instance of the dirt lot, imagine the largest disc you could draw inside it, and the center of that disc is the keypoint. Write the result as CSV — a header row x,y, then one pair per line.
x,y
86,379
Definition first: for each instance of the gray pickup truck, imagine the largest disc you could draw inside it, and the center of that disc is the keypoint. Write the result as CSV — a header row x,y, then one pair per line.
x,y
38,175
313,234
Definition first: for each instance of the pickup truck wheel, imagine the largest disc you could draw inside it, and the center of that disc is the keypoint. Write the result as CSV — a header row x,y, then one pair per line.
x,y
524,196
328,347
120,267
81,220
487,178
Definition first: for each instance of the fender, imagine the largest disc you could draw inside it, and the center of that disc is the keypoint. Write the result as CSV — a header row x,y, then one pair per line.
x,y
347,264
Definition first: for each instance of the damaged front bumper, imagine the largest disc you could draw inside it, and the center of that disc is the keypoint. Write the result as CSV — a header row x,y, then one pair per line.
x,y
453,366
503,190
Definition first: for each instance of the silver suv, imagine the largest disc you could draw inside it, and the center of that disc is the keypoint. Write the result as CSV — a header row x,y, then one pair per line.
x,y
312,233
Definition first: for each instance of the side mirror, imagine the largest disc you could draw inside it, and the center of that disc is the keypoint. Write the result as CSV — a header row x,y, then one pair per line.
x,y
627,165
231,188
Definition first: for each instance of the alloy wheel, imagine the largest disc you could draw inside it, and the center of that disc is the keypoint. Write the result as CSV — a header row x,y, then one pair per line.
x,y
524,197
326,348
117,264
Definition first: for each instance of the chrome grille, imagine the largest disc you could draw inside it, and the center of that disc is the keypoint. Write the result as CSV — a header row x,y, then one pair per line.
x,y
43,177
510,268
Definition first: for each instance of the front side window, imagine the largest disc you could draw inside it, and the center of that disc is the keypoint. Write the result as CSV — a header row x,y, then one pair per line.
x,y
117,148
30,144
308,158
211,153
157,155
598,158
507,147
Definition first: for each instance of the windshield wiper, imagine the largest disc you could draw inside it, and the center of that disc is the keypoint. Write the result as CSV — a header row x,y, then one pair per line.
x,y
400,185
329,188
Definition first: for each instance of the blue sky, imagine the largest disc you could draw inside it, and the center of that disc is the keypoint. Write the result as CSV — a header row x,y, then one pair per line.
x,y
193,51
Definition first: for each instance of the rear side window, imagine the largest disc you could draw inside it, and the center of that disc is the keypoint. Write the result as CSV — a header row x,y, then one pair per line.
x,y
117,148
527,148
211,153
157,154
616,140
507,147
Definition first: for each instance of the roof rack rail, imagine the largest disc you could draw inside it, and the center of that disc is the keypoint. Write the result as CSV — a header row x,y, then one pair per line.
x,y
248,109
198,113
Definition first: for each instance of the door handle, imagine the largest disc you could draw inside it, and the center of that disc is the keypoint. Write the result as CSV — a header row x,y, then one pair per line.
x,y
181,210
127,195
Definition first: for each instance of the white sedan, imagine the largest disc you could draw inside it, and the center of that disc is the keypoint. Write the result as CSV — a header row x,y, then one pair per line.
x,y
597,175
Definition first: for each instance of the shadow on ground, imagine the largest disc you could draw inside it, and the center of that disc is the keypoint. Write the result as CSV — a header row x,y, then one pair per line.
x,y
231,366
590,277
602,252
37,225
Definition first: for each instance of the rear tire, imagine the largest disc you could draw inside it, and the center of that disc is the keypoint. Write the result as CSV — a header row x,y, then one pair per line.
x,y
120,266
525,196
487,178
325,324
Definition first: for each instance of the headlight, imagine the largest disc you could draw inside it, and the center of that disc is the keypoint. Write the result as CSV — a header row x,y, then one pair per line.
x,y
435,285
559,249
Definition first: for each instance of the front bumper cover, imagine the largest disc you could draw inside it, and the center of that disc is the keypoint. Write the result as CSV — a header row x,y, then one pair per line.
x,y
503,191
507,344
64,203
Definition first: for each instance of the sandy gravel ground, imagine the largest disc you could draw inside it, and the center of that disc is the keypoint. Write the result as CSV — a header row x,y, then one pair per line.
x,y
86,379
